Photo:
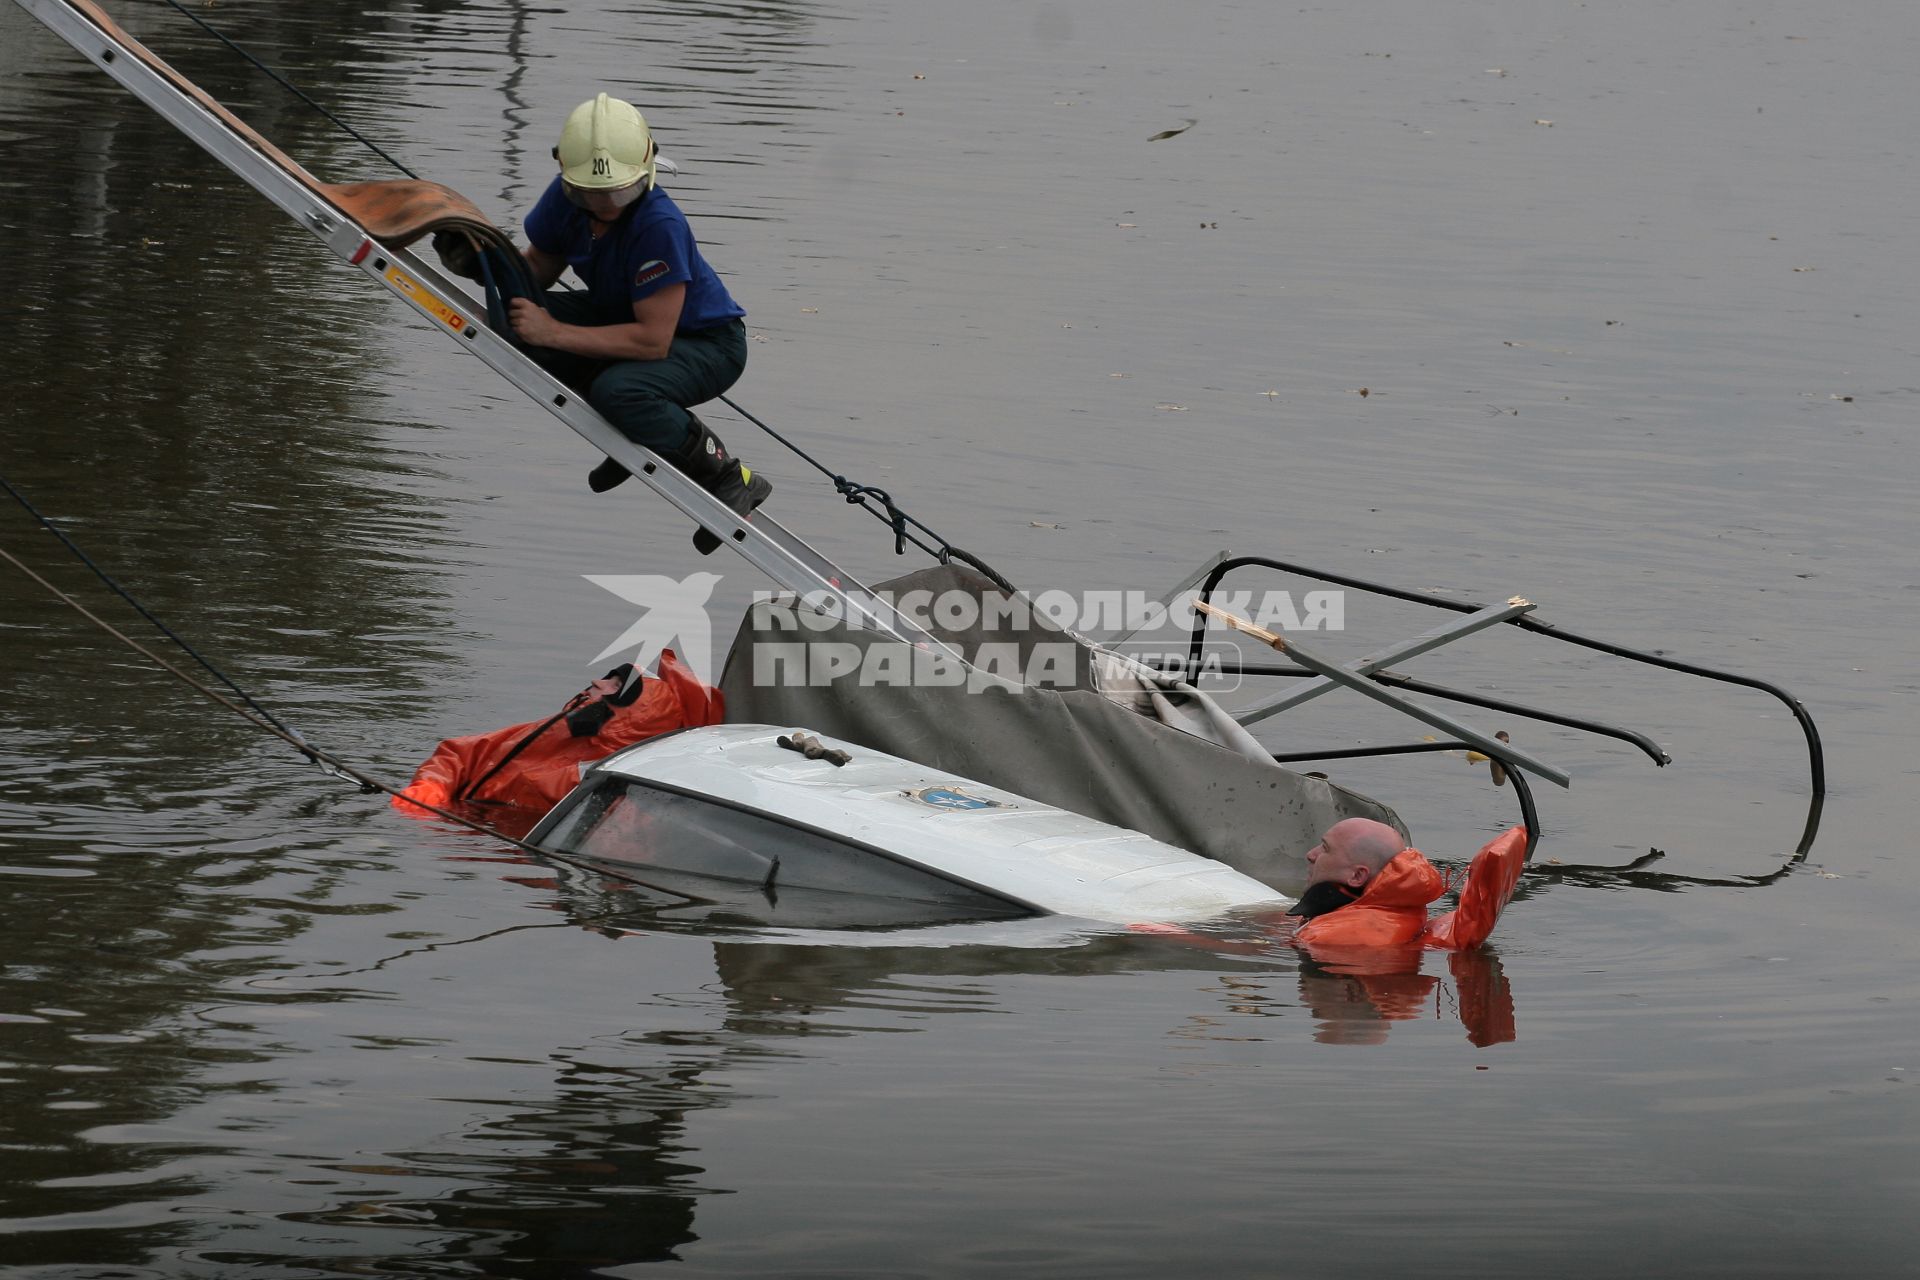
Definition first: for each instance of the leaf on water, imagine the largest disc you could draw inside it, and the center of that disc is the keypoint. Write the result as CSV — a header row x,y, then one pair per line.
x,y
1164,134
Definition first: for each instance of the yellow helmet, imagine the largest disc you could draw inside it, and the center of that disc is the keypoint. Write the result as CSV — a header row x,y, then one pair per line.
x,y
606,146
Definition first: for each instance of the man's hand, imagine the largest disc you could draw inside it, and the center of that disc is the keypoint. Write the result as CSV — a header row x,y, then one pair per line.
x,y
533,324
456,254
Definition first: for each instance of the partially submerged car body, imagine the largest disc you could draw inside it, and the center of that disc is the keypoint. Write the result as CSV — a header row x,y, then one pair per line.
x,y
728,803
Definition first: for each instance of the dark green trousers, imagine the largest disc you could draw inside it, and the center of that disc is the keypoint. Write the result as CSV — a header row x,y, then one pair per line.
x,y
648,399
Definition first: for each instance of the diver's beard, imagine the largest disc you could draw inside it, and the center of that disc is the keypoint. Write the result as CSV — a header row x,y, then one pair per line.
x,y
1318,899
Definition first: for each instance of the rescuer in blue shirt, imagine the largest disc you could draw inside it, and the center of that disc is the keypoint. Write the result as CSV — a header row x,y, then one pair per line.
x,y
655,331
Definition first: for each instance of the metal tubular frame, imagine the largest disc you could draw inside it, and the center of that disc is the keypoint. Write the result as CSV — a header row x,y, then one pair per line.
x,y
1816,754
1360,684
1383,658
1647,746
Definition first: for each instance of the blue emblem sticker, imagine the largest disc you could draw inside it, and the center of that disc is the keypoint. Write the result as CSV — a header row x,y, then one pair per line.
x,y
955,798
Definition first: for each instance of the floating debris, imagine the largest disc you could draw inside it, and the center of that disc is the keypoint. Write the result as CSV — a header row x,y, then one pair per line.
x,y
1043,524
1171,408
1164,134
1546,123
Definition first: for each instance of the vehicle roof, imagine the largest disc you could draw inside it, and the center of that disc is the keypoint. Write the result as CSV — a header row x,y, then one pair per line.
x,y
1040,855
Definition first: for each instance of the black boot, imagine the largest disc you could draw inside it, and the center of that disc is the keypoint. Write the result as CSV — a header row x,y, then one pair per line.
x,y
605,476
706,461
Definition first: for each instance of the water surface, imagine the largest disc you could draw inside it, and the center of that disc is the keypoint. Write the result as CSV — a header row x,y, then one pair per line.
x,y
1631,295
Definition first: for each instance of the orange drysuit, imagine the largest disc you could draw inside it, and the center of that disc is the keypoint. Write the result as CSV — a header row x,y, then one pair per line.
x,y
1392,910
532,766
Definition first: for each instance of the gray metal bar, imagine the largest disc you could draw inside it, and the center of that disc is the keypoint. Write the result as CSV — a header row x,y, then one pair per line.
x,y
1426,642
1426,715
765,543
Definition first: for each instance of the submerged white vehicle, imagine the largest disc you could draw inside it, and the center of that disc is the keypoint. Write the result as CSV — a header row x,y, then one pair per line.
x,y
729,803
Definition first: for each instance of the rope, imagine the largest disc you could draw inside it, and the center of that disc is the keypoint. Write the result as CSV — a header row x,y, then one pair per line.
x,y
290,87
858,494
164,630
332,764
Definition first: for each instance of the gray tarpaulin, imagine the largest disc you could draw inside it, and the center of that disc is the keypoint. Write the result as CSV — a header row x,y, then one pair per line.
x,y
1060,739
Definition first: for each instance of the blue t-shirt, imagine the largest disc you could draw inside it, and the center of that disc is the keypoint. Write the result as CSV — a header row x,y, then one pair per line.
x,y
648,248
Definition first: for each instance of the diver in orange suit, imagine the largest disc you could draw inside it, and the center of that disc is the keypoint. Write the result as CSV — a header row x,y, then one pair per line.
x,y
1363,928
1365,888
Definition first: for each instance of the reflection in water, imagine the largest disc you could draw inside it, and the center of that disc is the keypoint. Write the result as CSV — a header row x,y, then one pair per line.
x,y
1355,999
593,1179
1355,994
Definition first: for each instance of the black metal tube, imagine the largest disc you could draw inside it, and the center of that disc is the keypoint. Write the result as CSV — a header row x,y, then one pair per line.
x,y
1633,736
1816,753
1635,873
1529,815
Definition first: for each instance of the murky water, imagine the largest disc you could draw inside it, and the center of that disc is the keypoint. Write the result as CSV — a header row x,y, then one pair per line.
x,y
1631,293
